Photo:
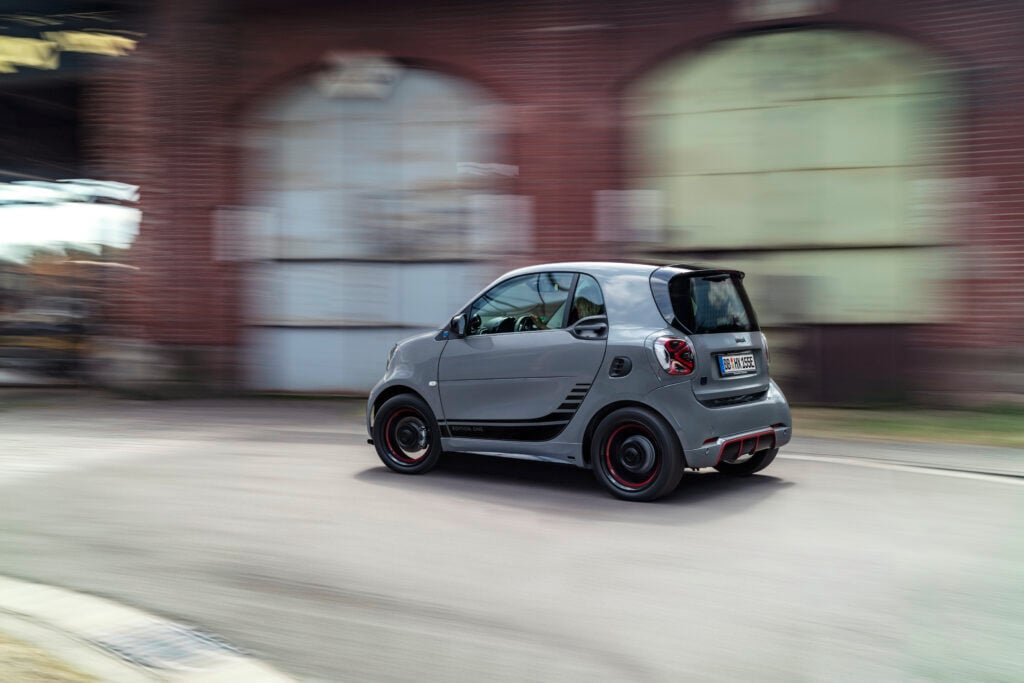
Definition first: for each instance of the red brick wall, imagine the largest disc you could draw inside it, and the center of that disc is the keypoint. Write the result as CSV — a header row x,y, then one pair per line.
x,y
171,120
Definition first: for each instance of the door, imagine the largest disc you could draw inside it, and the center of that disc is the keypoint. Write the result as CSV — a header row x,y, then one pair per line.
x,y
366,222
520,372
813,160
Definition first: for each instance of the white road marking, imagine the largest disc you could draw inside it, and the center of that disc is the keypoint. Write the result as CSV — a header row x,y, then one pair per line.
x,y
923,469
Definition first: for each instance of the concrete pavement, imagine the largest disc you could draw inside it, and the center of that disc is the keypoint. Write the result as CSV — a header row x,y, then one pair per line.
x,y
958,457
272,524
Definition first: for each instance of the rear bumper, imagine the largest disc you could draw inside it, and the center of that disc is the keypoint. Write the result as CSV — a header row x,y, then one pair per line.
x,y
709,434
729,447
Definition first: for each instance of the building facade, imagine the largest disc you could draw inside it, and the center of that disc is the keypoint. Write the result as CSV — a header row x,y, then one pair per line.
x,y
319,179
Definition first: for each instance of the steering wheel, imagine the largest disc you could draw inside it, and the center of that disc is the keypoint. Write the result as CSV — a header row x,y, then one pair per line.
x,y
526,323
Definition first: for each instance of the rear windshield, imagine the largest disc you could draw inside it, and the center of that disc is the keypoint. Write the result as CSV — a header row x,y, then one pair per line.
x,y
705,302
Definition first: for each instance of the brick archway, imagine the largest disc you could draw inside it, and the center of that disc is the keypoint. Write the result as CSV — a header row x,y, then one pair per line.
x,y
381,189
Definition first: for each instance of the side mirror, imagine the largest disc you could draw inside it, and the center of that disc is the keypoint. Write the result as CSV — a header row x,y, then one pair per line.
x,y
457,326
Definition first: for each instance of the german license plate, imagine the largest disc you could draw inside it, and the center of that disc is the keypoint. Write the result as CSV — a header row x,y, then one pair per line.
x,y
737,364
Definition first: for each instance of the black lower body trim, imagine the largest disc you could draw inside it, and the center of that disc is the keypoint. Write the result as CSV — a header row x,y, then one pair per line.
x,y
505,432
537,429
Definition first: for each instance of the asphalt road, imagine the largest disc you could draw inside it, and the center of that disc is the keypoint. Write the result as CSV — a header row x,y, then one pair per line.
x,y
274,525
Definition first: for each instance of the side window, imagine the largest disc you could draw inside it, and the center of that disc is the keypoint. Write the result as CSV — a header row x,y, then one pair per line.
x,y
588,300
522,304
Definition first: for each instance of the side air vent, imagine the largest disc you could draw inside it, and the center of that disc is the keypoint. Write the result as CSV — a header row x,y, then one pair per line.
x,y
620,366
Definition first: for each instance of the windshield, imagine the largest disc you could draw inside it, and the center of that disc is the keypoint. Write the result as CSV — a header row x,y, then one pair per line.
x,y
705,302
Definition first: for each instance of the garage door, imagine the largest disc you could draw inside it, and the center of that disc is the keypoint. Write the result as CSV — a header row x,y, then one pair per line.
x,y
809,158
377,208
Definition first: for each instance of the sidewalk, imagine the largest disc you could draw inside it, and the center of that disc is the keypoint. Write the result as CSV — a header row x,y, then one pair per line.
x,y
25,663
52,635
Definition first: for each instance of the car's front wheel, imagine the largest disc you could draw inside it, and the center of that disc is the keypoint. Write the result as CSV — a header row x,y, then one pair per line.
x,y
635,455
406,436
744,468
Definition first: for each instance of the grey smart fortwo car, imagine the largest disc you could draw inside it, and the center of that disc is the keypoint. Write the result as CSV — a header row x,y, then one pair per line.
x,y
634,371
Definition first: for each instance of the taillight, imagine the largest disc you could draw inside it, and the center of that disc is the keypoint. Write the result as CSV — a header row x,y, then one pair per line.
x,y
674,355
767,353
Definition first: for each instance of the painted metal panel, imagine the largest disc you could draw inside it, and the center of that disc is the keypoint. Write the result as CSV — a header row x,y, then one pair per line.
x,y
803,138
319,294
899,286
376,231
318,360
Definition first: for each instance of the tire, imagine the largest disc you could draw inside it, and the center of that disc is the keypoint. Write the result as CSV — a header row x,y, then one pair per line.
x,y
635,455
406,436
751,465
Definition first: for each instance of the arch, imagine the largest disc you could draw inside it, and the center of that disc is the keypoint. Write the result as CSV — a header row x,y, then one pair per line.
x,y
948,57
268,85
375,196
803,155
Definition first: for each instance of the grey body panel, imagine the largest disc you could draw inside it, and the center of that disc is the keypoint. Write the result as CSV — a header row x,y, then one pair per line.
x,y
524,375
413,367
538,375
528,398
707,348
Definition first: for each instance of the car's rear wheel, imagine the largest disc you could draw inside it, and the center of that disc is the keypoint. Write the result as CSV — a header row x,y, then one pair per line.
x,y
754,463
406,436
635,455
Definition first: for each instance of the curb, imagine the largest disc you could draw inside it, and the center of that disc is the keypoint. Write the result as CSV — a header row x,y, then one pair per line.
x,y
113,642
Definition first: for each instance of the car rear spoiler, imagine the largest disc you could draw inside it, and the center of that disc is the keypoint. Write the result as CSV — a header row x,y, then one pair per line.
x,y
659,288
702,270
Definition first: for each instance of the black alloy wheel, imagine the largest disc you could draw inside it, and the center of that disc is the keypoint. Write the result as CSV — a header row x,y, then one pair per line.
x,y
406,436
635,455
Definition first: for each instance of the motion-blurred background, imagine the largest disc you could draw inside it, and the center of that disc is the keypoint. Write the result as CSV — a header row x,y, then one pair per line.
x,y
257,195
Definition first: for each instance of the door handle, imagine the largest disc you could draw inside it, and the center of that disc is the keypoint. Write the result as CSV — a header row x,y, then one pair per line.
x,y
596,328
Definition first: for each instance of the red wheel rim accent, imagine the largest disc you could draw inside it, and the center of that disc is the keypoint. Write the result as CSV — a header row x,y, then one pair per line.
x,y
397,454
611,468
